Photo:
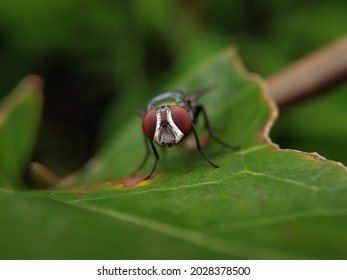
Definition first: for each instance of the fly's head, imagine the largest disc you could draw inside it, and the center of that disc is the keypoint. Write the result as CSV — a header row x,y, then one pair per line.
x,y
167,124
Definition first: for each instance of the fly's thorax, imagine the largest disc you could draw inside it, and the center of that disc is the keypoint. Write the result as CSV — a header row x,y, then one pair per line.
x,y
167,99
171,98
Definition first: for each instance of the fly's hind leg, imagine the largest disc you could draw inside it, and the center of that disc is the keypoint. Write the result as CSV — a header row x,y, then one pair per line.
x,y
201,109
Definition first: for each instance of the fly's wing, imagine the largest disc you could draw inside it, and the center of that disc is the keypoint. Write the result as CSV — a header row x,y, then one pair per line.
x,y
191,99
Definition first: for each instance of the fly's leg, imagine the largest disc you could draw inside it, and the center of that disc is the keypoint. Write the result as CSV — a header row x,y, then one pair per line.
x,y
201,109
145,159
155,162
198,145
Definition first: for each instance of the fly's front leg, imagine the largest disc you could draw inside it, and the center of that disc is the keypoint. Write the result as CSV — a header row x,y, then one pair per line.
x,y
145,158
156,160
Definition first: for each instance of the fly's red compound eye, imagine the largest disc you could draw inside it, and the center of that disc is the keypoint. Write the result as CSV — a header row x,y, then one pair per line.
x,y
181,118
149,123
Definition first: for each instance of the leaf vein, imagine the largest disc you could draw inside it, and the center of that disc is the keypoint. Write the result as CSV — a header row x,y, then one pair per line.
x,y
146,191
264,221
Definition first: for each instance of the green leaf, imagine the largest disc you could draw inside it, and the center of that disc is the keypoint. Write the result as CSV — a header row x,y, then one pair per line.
x,y
19,120
262,203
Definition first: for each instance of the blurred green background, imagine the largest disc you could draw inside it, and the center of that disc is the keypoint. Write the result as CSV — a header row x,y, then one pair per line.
x,y
102,60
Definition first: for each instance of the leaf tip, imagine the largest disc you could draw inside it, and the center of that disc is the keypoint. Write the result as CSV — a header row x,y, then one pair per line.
x,y
34,81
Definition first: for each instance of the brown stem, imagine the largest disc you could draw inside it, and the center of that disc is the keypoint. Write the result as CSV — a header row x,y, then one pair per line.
x,y
314,73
